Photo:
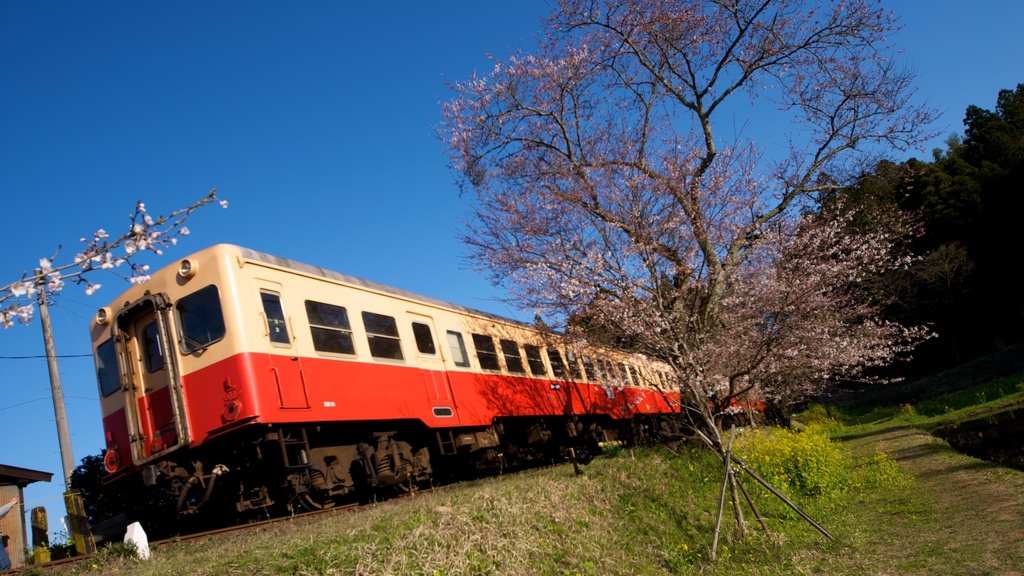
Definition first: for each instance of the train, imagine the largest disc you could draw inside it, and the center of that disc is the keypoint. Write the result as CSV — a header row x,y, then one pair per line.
x,y
239,381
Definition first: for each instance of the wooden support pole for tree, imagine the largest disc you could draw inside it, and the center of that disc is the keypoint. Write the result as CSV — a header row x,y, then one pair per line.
x,y
736,509
750,502
778,494
721,497
770,488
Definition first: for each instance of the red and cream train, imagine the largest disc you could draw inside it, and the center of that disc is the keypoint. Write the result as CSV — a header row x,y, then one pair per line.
x,y
252,381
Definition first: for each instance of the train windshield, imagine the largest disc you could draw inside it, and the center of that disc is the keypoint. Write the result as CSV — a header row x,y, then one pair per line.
x,y
106,368
200,319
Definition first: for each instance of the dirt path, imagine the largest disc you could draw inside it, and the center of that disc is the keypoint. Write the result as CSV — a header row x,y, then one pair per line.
x,y
961,516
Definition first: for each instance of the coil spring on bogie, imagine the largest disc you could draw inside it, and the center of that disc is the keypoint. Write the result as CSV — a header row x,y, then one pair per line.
x,y
384,464
317,481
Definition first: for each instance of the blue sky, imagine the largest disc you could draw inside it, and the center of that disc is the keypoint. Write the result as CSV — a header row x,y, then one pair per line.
x,y
315,120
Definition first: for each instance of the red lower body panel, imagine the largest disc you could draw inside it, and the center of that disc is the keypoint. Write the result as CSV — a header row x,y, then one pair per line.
x,y
280,389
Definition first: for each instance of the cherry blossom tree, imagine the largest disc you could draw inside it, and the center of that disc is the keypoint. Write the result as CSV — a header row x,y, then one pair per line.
x,y
117,255
655,168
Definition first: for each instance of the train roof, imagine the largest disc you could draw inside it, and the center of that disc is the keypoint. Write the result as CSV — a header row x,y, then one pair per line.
x,y
370,285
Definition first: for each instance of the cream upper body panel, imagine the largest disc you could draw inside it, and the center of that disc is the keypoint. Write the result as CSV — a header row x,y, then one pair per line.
x,y
241,275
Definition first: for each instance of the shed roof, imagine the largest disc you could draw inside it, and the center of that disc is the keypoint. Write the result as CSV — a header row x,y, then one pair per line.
x,y
22,476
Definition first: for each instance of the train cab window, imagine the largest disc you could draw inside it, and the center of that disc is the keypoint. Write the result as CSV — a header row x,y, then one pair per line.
x,y
513,360
276,324
485,352
424,338
382,335
574,365
106,368
534,360
330,328
200,319
152,352
557,365
458,346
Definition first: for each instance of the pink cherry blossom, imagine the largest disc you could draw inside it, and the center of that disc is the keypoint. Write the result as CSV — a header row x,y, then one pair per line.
x,y
613,193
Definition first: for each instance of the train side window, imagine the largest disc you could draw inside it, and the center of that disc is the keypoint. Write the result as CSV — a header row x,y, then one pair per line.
x,y
610,376
106,368
557,365
424,338
274,312
200,319
534,360
485,352
330,328
458,346
624,374
638,377
513,360
574,365
152,352
382,335
588,368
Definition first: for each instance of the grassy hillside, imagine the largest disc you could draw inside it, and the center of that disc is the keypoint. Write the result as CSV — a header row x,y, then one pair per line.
x,y
897,500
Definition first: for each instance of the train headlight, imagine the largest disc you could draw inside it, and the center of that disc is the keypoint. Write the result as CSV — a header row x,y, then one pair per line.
x,y
103,316
187,268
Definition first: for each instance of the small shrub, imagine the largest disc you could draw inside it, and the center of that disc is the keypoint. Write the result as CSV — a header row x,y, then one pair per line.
x,y
906,411
126,550
807,461
611,451
814,413
112,557
882,472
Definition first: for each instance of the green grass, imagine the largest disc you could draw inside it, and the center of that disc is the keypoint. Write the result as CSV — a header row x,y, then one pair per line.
x,y
995,396
647,511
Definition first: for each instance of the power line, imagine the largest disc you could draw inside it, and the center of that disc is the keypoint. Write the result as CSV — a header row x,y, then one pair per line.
x,y
43,357
23,403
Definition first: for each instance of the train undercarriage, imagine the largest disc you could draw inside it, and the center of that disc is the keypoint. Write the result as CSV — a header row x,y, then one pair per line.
x,y
274,470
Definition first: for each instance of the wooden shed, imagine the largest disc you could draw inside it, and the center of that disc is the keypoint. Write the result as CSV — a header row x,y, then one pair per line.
x,y
12,484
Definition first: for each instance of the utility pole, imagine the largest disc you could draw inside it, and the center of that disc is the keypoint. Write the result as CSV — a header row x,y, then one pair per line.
x,y
63,435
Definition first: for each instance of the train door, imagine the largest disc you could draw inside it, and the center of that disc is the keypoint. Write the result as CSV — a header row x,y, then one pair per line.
x,y
432,366
149,377
283,361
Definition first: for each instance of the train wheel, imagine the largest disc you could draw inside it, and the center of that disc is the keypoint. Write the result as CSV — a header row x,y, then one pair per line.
x,y
313,502
316,498
407,487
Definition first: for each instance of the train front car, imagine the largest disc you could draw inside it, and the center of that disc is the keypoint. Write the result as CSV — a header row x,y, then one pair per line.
x,y
240,381
149,344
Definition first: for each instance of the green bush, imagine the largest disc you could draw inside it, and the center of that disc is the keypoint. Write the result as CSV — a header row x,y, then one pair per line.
x,y
815,413
807,461
882,472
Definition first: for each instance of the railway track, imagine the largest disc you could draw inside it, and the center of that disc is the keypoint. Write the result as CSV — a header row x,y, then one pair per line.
x,y
68,564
